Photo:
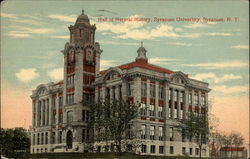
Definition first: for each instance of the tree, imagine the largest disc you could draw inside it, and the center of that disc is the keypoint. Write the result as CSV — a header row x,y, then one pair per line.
x,y
111,120
196,125
14,142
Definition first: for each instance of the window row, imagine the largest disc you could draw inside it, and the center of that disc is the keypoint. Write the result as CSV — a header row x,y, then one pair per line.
x,y
152,130
70,99
43,138
70,79
143,110
161,150
152,90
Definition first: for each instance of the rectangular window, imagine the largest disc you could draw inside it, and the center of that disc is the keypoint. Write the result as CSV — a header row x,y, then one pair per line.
x,y
53,137
42,138
171,134
152,149
170,112
83,135
170,94
83,115
151,110
190,151
143,131
152,132
181,114
181,97
183,135
196,151
143,109
196,101
161,149
175,95
144,148
184,150
38,138
60,101
46,138
161,92
60,137
159,111
143,89
190,98
34,139
175,113
171,149
160,133
60,117
203,101
152,91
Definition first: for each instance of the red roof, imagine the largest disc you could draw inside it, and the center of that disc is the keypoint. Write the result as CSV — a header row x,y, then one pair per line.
x,y
232,149
142,64
59,83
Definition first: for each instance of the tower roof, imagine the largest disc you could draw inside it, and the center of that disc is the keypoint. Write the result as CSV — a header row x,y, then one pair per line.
x,y
82,18
141,53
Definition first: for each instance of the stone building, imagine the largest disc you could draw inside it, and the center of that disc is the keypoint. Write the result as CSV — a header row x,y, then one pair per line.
x,y
60,111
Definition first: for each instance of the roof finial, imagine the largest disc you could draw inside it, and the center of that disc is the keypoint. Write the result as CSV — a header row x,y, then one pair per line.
x,y
82,12
141,44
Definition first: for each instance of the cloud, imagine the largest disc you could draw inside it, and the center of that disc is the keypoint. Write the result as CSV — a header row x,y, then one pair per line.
x,y
27,21
56,74
199,25
212,77
231,89
180,44
218,34
162,61
26,75
6,15
240,47
196,25
117,43
104,64
60,36
217,65
63,18
25,32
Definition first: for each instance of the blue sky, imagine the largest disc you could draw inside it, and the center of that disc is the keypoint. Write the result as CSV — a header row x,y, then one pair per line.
x,y
34,32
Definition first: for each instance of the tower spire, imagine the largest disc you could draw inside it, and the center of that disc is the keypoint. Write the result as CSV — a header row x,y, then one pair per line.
x,y
141,54
82,11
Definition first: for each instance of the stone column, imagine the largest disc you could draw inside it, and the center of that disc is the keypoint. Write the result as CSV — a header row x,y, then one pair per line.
x,y
46,108
172,103
37,111
178,104
186,104
111,91
193,102
165,108
124,90
148,97
137,90
35,138
199,101
50,110
41,113
156,98
102,93
117,92
57,111
206,101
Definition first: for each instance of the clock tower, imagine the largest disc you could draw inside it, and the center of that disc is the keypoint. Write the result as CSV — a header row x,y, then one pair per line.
x,y
81,65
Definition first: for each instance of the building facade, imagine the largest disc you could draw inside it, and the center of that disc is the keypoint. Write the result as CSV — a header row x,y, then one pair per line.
x,y
60,111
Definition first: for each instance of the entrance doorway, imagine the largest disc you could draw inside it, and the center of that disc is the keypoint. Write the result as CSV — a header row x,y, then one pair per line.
x,y
69,139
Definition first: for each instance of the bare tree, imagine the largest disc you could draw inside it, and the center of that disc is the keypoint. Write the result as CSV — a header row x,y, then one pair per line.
x,y
111,119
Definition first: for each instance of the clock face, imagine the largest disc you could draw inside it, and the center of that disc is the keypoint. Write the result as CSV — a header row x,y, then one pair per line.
x,y
89,55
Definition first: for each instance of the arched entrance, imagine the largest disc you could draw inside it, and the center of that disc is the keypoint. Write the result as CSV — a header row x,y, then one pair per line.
x,y
69,139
